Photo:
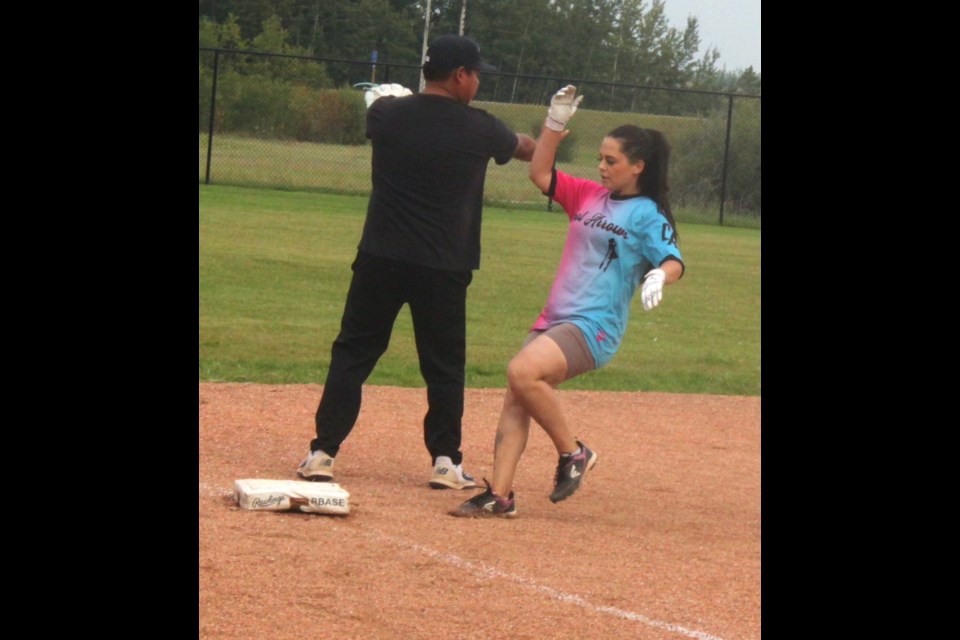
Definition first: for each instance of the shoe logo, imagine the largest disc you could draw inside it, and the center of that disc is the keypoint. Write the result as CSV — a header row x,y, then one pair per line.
x,y
574,473
489,506
327,462
442,471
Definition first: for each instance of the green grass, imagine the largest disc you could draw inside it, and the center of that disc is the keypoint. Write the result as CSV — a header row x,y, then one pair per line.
x,y
589,127
332,168
344,169
275,267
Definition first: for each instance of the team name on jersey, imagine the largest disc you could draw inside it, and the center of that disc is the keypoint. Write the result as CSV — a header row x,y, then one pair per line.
x,y
597,221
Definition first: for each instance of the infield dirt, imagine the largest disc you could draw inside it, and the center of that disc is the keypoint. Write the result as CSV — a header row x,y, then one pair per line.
x,y
662,540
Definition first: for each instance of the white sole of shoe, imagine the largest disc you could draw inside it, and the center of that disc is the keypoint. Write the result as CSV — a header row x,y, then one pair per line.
x,y
441,483
316,478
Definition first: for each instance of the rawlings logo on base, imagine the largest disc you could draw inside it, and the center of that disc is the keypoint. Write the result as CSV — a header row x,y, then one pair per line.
x,y
269,502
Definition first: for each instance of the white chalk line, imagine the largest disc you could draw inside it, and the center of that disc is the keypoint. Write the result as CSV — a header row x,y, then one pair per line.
x,y
488,572
215,492
485,571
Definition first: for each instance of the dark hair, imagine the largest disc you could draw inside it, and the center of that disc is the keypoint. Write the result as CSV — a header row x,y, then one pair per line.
x,y
435,75
650,146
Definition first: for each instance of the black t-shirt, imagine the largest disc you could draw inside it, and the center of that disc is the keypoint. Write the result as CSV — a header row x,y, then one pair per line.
x,y
430,156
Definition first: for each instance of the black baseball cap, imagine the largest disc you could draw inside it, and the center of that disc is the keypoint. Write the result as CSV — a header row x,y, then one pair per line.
x,y
450,52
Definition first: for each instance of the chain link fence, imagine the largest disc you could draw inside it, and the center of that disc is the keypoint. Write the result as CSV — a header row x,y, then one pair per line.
x,y
280,121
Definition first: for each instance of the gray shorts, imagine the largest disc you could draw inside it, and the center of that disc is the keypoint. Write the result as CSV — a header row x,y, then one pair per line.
x,y
573,345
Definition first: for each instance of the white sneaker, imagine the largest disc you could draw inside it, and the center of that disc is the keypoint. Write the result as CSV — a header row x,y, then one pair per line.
x,y
447,475
316,467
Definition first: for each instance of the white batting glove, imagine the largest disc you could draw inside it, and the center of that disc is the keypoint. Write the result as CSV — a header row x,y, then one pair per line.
x,y
563,105
381,90
652,290
396,90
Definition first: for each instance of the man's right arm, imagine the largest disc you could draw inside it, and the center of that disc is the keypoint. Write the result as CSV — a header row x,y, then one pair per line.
x,y
525,147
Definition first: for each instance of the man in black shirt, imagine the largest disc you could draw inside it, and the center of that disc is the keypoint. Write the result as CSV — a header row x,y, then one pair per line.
x,y
420,245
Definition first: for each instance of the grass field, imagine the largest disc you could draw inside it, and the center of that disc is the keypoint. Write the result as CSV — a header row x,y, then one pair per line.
x,y
343,169
274,268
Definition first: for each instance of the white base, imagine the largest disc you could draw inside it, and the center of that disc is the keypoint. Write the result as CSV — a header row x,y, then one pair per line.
x,y
291,495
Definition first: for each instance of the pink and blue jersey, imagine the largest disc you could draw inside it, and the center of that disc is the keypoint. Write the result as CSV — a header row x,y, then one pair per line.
x,y
611,244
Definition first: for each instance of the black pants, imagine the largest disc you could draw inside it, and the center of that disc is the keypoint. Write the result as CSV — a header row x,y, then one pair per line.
x,y
378,290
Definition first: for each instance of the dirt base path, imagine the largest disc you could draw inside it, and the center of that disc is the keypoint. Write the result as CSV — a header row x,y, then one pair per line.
x,y
662,540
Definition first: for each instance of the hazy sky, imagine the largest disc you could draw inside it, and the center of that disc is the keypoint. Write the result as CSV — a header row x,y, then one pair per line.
x,y
732,26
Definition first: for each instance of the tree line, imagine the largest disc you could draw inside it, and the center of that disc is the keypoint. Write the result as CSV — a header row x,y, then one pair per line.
x,y
627,56
616,41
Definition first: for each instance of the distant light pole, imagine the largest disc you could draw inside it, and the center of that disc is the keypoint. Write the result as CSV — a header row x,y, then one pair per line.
x,y
426,36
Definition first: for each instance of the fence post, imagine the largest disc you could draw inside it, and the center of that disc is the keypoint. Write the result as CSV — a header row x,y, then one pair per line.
x,y
213,111
726,157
